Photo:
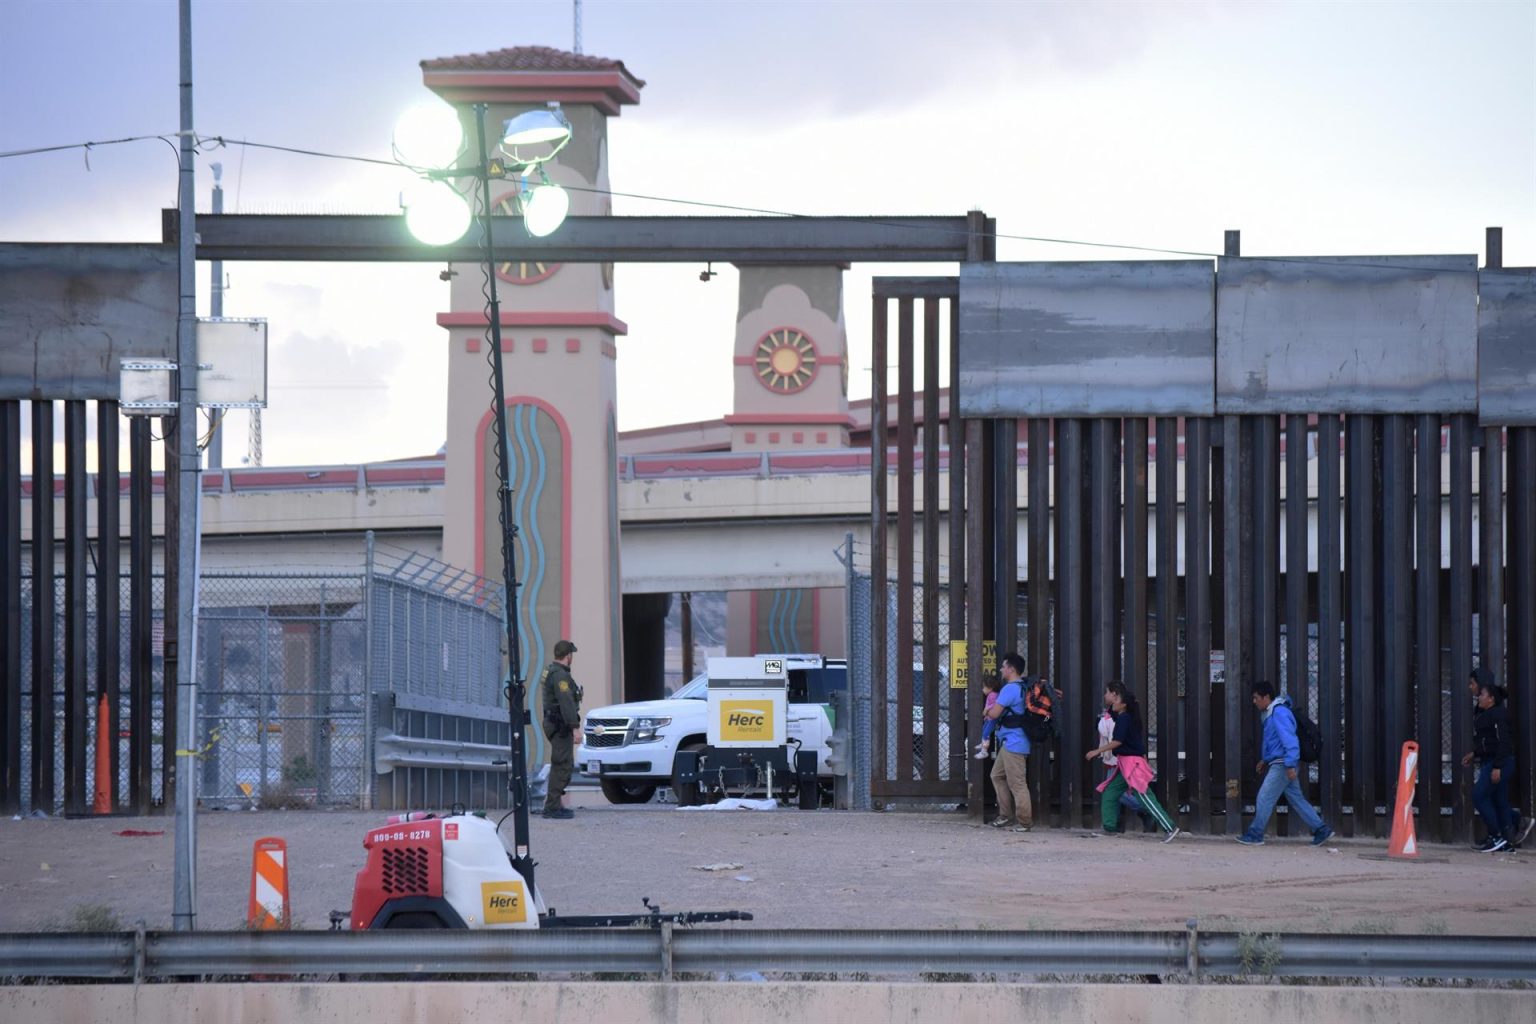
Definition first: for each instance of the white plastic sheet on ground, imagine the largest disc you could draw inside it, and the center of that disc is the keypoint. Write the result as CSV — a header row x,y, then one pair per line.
x,y
736,804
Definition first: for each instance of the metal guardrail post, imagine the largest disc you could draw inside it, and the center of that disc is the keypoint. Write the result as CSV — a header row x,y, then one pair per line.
x,y
138,953
666,951
1193,963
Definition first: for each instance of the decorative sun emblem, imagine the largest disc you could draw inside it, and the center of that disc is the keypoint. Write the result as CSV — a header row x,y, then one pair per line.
x,y
519,271
785,360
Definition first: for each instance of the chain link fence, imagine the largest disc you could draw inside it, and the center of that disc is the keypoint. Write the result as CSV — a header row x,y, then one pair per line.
x,y
28,687
286,662
281,679
929,738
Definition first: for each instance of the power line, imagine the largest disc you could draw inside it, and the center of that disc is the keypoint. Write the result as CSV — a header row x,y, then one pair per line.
x,y
223,142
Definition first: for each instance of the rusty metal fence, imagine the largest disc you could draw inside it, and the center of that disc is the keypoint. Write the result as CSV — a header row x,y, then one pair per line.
x,y
1163,475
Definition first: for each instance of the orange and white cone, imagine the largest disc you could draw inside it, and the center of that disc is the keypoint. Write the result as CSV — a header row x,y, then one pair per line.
x,y
268,907
1404,843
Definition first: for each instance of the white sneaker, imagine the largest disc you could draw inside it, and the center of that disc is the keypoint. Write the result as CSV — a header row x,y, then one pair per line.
x,y
1171,836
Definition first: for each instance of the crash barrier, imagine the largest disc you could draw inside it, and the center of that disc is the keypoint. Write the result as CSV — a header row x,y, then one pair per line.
x,y
268,906
667,953
1404,840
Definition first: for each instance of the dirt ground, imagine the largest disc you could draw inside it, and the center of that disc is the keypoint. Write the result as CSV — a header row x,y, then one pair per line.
x,y
822,869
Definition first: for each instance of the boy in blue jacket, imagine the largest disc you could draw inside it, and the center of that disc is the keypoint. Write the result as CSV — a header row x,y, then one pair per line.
x,y
1280,764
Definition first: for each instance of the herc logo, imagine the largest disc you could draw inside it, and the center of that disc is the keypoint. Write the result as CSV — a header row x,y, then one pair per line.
x,y
745,720
504,902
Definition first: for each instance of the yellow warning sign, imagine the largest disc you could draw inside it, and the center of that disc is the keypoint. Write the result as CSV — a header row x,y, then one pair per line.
x,y
959,674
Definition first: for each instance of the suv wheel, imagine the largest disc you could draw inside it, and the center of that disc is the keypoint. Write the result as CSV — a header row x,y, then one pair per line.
x,y
628,791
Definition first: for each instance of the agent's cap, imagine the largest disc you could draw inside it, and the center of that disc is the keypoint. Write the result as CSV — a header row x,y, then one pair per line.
x,y
563,648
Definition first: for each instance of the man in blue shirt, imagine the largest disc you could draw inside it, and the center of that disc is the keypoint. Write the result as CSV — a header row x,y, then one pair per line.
x,y
1014,810
1280,765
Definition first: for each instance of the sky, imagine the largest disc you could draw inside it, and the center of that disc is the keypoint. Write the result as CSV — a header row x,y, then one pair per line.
x,y
1315,128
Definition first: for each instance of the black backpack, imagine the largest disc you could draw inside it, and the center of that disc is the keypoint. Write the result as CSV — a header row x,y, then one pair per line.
x,y
1309,737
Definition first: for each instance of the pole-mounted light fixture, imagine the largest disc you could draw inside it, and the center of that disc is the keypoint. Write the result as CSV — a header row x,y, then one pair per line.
x,y
429,138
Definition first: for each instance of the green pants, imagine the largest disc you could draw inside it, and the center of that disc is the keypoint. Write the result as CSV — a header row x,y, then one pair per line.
x,y
1109,806
562,759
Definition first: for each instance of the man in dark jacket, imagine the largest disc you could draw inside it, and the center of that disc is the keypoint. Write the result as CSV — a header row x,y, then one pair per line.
x,y
1280,764
561,698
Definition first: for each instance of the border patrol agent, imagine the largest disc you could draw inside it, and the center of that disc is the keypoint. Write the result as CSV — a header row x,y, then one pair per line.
x,y
561,698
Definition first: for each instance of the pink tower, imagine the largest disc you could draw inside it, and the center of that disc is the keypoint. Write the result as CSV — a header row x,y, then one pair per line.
x,y
791,394
558,334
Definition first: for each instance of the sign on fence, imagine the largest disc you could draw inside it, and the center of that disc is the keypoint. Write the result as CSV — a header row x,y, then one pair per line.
x,y
959,677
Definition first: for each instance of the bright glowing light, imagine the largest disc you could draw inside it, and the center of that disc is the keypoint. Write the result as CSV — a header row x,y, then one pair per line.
x,y
435,213
544,209
428,135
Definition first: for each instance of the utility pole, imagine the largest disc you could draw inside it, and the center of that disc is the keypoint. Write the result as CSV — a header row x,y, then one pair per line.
x,y
188,471
576,24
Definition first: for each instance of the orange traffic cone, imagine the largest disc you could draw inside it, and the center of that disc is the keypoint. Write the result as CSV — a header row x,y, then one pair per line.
x,y
101,802
1404,843
268,905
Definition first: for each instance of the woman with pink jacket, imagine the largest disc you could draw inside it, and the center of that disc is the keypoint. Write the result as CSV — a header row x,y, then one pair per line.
x,y
1129,744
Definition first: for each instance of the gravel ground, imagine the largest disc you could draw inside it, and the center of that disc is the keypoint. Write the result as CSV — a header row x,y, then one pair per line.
x,y
800,869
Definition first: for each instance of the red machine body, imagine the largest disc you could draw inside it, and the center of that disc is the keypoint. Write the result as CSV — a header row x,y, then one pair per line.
x,y
401,884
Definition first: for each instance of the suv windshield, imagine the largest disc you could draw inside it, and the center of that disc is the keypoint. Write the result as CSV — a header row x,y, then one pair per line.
x,y
696,688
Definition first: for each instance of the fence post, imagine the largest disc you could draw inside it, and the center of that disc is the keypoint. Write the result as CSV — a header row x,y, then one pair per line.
x,y
365,784
852,765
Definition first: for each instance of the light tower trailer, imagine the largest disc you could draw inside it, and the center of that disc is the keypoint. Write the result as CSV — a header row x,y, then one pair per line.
x,y
749,748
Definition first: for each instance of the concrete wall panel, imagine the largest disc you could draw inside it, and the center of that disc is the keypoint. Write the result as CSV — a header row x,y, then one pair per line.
x,y
749,1003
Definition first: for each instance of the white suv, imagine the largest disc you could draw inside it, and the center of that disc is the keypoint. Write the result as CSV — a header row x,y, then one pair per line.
x,y
631,749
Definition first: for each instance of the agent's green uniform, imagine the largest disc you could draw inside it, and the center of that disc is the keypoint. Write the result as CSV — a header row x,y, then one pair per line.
x,y
561,698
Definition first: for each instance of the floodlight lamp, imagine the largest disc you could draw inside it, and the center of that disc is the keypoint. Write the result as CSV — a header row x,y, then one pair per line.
x,y
428,135
547,130
435,213
544,206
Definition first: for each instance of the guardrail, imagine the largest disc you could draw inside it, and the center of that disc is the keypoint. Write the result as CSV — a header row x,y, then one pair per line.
x,y
667,951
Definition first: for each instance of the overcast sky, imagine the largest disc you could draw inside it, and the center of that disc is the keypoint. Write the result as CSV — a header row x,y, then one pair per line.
x,y
1315,128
